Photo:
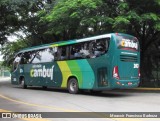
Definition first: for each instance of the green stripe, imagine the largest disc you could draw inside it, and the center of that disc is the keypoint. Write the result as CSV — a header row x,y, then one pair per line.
x,y
66,72
76,71
81,69
88,76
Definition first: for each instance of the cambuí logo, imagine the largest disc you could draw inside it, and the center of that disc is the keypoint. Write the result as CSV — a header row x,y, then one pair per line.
x,y
42,72
129,43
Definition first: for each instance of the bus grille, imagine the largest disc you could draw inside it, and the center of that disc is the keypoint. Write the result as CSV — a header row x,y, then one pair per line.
x,y
127,58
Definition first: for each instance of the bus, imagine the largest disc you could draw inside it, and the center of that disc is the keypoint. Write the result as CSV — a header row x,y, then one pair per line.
x,y
98,63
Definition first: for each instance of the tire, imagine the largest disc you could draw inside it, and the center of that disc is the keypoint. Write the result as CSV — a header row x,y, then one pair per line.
x,y
44,87
73,86
23,85
95,91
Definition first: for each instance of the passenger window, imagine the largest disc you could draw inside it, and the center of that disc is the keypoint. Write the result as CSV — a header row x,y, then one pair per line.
x,y
25,58
85,50
99,47
90,49
63,53
44,55
16,61
54,52
36,58
80,51
75,51
107,43
47,55
17,58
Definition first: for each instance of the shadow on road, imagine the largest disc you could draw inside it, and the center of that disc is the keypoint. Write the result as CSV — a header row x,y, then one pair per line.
x,y
110,93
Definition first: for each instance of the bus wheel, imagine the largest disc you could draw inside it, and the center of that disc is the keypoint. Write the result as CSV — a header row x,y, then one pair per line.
x,y
95,91
73,86
44,87
23,85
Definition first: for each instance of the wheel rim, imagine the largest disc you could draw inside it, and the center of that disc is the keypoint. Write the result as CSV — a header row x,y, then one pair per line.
x,y
22,83
73,86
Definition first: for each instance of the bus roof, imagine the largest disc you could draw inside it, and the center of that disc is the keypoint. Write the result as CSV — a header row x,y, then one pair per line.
x,y
67,42
61,43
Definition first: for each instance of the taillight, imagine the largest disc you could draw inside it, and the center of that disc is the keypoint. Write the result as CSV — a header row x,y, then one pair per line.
x,y
115,72
139,74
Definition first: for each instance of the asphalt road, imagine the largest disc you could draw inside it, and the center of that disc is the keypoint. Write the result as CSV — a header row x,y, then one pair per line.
x,y
35,99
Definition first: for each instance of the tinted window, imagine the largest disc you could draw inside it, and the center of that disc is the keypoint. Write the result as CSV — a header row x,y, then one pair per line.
x,y
90,49
100,47
17,58
44,55
16,61
26,57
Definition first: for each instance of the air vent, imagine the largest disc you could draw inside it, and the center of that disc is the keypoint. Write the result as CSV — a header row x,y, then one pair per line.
x,y
128,58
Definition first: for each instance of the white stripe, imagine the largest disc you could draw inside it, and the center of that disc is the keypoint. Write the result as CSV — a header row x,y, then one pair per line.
x,y
94,38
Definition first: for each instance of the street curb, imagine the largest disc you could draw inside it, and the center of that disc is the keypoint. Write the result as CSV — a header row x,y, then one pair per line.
x,y
147,89
140,89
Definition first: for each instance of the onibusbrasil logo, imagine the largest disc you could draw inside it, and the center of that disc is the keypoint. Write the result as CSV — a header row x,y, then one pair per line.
x,y
42,72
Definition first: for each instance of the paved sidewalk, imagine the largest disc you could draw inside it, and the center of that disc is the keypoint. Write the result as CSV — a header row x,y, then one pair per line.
x,y
5,78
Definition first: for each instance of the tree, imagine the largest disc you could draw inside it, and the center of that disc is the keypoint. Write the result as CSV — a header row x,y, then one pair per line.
x,y
22,16
9,50
18,15
30,21
141,18
70,19
9,20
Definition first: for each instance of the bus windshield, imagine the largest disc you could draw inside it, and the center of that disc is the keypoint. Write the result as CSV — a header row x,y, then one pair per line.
x,y
127,43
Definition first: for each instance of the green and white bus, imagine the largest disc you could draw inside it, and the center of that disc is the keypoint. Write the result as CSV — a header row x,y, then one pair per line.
x,y
104,62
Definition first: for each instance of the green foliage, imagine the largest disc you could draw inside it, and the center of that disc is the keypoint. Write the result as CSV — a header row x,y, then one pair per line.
x,y
72,9
9,50
157,26
158,1
150,17
119,23
8,20
69,15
